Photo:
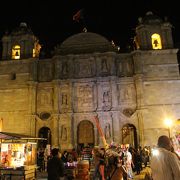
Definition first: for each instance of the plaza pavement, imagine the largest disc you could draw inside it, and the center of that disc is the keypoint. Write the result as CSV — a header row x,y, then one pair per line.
x,y
141,176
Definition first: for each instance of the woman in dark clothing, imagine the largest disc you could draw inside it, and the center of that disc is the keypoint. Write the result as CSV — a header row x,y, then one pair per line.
x,y
55,166
64,157
138,162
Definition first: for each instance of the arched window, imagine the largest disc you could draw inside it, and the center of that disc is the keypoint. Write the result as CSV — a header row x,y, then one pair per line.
x,y
156,41
16,52
36,50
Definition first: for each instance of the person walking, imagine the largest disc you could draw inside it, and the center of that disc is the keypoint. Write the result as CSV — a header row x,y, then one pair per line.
x,y
128,163
165,164
55,166
138,162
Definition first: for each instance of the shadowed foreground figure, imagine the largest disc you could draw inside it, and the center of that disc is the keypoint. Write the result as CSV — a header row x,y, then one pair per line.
x,y
55,166
165,165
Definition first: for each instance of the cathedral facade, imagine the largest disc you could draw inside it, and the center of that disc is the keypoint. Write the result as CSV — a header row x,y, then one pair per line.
x,y
58,98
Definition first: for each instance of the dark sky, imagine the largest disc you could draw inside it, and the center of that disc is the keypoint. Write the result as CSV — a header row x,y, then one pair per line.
x,y
51,21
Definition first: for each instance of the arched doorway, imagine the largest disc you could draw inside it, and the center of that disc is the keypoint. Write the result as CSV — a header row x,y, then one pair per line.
x,y
85,134
44,132
129,135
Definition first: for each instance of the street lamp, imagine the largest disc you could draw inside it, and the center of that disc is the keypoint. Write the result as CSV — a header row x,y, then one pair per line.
x,y
168,123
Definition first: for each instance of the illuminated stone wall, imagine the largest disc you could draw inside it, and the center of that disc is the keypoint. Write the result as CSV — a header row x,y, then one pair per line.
x,y
136,89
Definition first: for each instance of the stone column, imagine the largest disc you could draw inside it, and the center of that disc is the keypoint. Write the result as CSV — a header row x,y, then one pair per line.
x,y
140,106
56,96
32,107
55,130
140,128
138,79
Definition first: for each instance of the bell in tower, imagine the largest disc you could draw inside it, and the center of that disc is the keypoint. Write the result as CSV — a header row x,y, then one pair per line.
x,y
153,33
20,44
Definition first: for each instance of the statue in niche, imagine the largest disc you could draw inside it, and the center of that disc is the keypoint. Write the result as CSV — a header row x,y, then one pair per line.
x,y
64,68
124,94
85,68
44,99
63,133
128,67
104,66
107,131
106,96
64,99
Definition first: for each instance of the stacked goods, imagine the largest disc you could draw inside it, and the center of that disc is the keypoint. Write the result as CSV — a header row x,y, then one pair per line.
x,y
87,153
83,170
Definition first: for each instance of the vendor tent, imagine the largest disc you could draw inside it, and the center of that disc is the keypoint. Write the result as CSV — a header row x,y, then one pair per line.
x,y
14,136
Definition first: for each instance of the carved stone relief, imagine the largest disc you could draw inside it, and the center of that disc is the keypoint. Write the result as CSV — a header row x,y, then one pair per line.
x,y
104,66
45,98
65,68
125,93
106,97
128,112
85,96
107,131
64,98
106,100
64,133
84,67
45,72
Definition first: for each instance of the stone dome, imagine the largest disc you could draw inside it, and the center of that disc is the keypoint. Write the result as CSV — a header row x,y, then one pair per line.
x,y
150,18
85,42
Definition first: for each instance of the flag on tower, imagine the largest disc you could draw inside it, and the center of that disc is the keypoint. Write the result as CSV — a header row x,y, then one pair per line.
x,y
78,16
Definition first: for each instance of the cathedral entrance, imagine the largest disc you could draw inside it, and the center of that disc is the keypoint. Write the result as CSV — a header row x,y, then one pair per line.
x,y
44,132
129,135
85,134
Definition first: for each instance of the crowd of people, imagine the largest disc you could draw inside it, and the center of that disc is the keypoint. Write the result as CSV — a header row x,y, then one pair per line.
x,y
119,162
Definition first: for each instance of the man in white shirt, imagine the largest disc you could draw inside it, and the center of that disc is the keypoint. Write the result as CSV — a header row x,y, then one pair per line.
x,y
165,164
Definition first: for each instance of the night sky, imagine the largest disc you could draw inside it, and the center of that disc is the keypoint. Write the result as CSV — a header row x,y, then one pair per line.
x,y
52,21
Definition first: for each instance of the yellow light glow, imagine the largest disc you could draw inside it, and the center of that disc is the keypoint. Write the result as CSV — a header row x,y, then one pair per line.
x,y
156,41
16,52
168,122
155,152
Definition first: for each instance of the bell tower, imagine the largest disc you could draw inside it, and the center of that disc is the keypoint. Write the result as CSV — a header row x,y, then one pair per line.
x,y
20,44
153,33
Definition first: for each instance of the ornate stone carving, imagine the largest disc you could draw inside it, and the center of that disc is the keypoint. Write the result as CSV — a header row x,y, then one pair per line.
x,y
84,67
128,112
107,131
64,133
104,66
106,100
64,98
125,93
65,68
45,72
85,96
45,98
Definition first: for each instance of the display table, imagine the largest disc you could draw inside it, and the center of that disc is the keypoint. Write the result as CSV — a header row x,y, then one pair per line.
x,y
71,169
28,172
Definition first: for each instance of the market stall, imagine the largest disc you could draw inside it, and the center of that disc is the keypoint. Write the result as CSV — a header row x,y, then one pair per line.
x,y
18,156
